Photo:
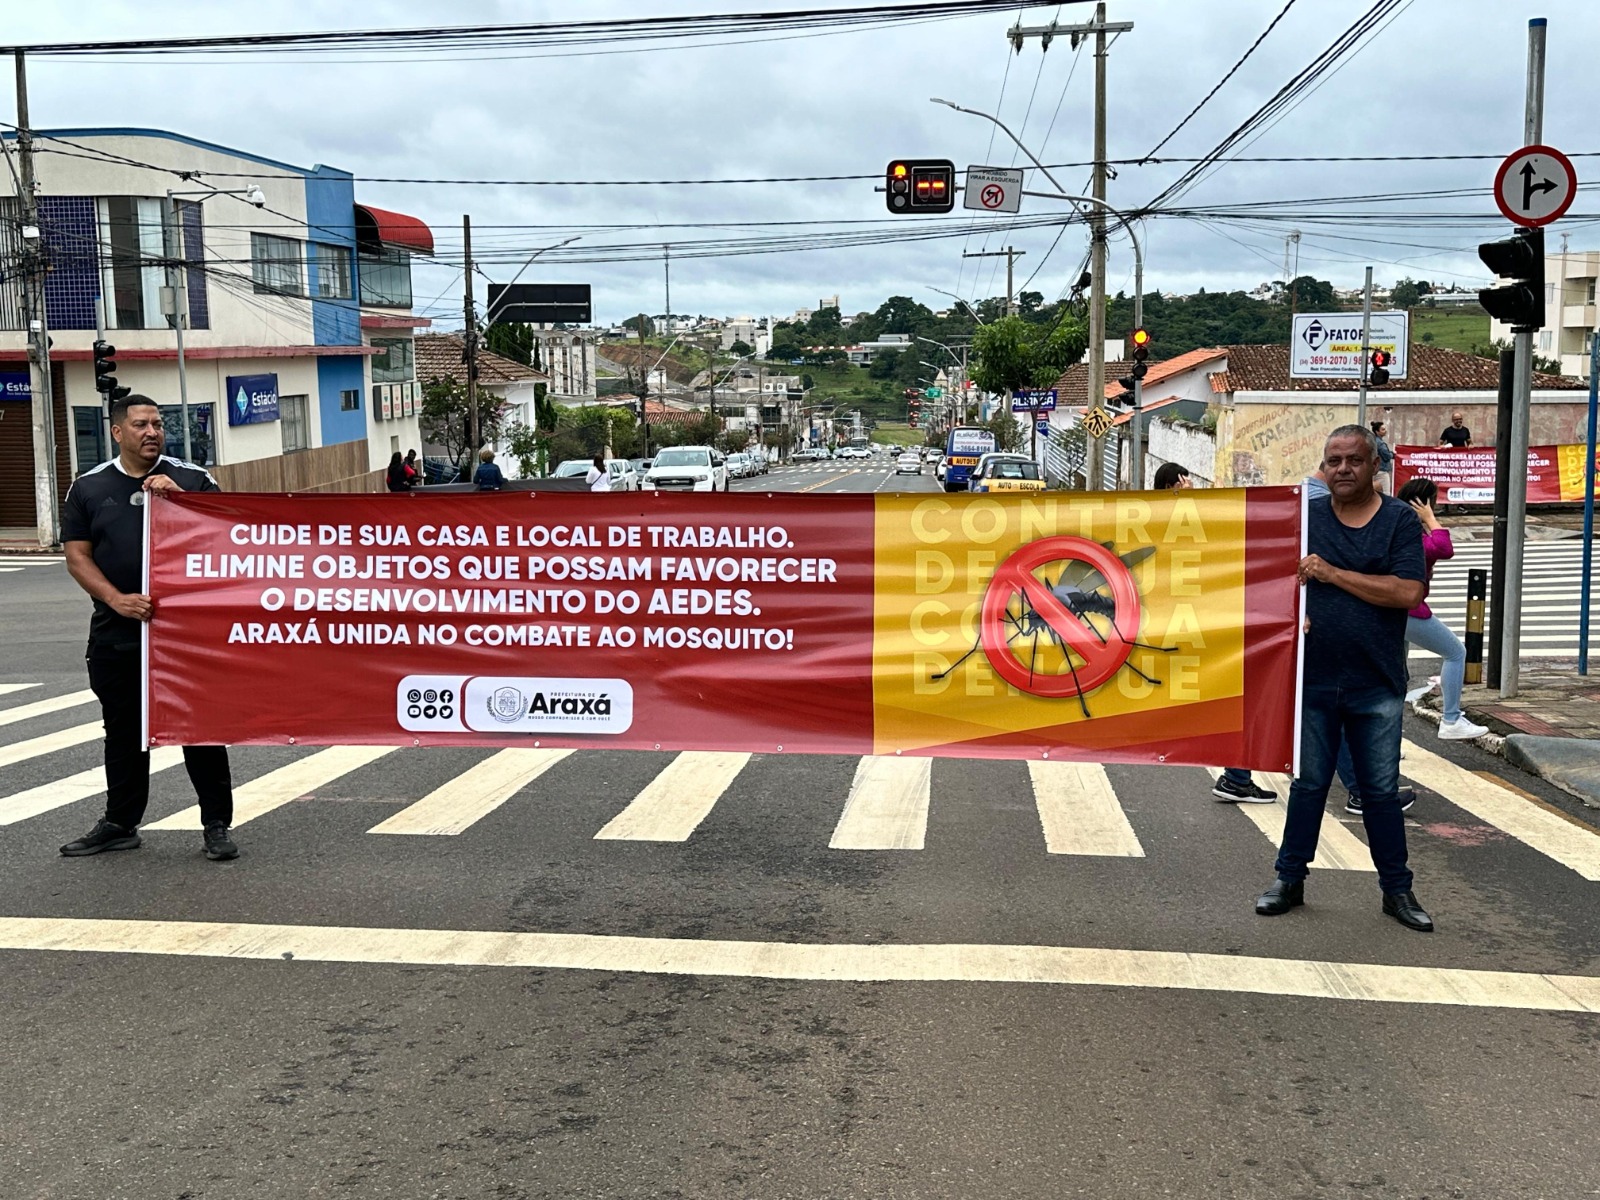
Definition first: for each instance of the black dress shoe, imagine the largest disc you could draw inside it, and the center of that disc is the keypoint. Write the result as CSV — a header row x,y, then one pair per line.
x,y
1403,907
1281,897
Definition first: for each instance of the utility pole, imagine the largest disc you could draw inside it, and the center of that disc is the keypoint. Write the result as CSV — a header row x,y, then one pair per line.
x,y
474,434
1010,254
178,289
1366,350
1094,462
46,515
1521,401
666,266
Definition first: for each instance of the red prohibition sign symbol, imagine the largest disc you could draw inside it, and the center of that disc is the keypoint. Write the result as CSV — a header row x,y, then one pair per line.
x,y
992,196
1102,657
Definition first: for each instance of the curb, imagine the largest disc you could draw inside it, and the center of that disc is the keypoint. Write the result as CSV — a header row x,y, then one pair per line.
x,y
1495,743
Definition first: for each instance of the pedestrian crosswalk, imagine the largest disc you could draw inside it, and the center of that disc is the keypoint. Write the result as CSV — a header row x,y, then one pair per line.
x,y
10,563
1552,580
1079,809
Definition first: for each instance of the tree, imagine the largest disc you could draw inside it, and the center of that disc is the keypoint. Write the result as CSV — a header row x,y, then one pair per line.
x,y
1030,302
1405,294
1313,295
741,349
884,365
445,417
902,314
824,328
527,447
1007,433
513,340
1012,355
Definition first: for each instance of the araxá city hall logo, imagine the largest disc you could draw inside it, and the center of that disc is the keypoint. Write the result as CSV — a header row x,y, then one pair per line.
x,y
497,704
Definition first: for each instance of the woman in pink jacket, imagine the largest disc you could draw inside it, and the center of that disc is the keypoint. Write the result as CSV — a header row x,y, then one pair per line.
x,y
1428,631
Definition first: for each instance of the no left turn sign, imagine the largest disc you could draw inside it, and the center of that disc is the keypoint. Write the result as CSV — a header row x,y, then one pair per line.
x,y
992,196
1535,185
993,189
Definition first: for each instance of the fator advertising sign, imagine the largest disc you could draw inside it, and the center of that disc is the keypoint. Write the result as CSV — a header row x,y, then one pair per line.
x,y
252,399
1328,345
1156,628
15,385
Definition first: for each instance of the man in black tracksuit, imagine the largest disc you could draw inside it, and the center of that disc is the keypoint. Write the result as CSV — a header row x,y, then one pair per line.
x,y
102,528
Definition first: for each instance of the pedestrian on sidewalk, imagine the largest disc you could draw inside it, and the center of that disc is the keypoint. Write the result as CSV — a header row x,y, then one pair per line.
x,y
1428,631
1385,480
488,477
102,530
598,477
1235,785
1364,572
395,478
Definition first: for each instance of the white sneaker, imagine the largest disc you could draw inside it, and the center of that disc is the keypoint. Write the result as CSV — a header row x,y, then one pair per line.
x,y
1461,730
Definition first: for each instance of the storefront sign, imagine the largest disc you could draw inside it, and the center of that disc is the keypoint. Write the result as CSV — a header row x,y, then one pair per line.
x,y
16,385
1149,629
252,399
1555,473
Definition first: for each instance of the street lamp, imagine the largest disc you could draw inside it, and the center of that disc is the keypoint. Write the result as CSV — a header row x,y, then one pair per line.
x,y
961,361
959,301
488,315
178,280
1097,304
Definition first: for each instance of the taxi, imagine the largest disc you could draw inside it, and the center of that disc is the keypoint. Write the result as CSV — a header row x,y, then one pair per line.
x,y
1006,473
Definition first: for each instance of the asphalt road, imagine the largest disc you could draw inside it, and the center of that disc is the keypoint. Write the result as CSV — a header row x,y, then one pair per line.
x,y
522,1009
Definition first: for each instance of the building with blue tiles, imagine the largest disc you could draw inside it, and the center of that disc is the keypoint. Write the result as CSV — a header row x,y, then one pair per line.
x,y
299,305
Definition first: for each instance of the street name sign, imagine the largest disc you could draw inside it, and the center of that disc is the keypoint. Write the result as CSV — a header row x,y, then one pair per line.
x,y
993,189
1328,345
1535,185
1029,401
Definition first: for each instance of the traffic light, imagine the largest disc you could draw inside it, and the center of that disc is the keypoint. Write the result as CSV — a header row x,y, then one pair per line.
x,y
1379,373
105,367
1141,359
1520,258
920,185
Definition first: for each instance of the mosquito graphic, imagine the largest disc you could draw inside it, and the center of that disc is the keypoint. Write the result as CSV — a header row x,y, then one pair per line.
x,y
1082,591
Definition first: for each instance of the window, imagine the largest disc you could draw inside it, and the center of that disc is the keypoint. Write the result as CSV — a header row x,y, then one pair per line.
x,y
89,437
333,271
386,277
1544,340
130,231
277,265
295,424
1589,294
393,362
201,452
350,401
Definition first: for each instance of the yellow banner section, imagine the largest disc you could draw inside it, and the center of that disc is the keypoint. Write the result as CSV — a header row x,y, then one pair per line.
x,y
1570,469
1000,616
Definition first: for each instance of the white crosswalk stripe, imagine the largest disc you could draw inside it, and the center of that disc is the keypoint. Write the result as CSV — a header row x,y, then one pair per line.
x,y
277,788
7,688
472,795
41,708
17,562
887,806
1551,581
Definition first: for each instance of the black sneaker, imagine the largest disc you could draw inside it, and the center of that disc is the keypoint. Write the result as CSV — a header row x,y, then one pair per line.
x,y
218,844
1242,793
104,836
1407,797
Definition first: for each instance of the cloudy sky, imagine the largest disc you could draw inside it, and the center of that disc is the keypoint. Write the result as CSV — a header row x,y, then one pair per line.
x,y
1444,77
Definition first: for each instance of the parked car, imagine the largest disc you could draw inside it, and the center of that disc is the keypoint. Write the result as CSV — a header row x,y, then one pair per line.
x,y
909,463
758,460
640,466
572,468
688,469
938,467
623,477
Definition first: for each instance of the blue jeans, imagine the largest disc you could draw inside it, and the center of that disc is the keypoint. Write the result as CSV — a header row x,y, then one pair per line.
x,y
1434,636
1367,720
1238,775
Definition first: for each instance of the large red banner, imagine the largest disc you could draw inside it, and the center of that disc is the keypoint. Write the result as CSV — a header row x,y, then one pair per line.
x,y
1555,473
1135,628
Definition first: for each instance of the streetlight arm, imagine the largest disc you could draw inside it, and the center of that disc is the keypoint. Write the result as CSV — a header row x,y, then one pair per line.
x,y
488,314
959,300
1031,157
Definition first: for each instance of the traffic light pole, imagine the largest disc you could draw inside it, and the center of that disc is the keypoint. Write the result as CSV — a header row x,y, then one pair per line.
x,y
1521,401
47,524
1366,350
470,333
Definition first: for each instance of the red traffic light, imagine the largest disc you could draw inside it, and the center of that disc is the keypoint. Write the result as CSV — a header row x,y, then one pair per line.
x,y
1381,358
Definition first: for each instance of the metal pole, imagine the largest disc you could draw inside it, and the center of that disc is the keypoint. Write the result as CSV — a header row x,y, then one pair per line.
x,y
1588,505
1095,462
1521,401
173,241
1136,478
47,525
1366,351
1502,473
470,334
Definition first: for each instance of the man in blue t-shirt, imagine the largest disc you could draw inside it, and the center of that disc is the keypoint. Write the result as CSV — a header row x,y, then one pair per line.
x,y
1364,572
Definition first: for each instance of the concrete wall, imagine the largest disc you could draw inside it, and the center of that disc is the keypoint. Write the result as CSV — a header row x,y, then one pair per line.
x,y
1185,444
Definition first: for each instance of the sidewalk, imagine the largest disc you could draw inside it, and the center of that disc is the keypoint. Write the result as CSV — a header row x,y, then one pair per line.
x,y
1551,728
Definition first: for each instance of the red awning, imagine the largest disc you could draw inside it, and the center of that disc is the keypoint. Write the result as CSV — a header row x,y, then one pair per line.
x,y
392,228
